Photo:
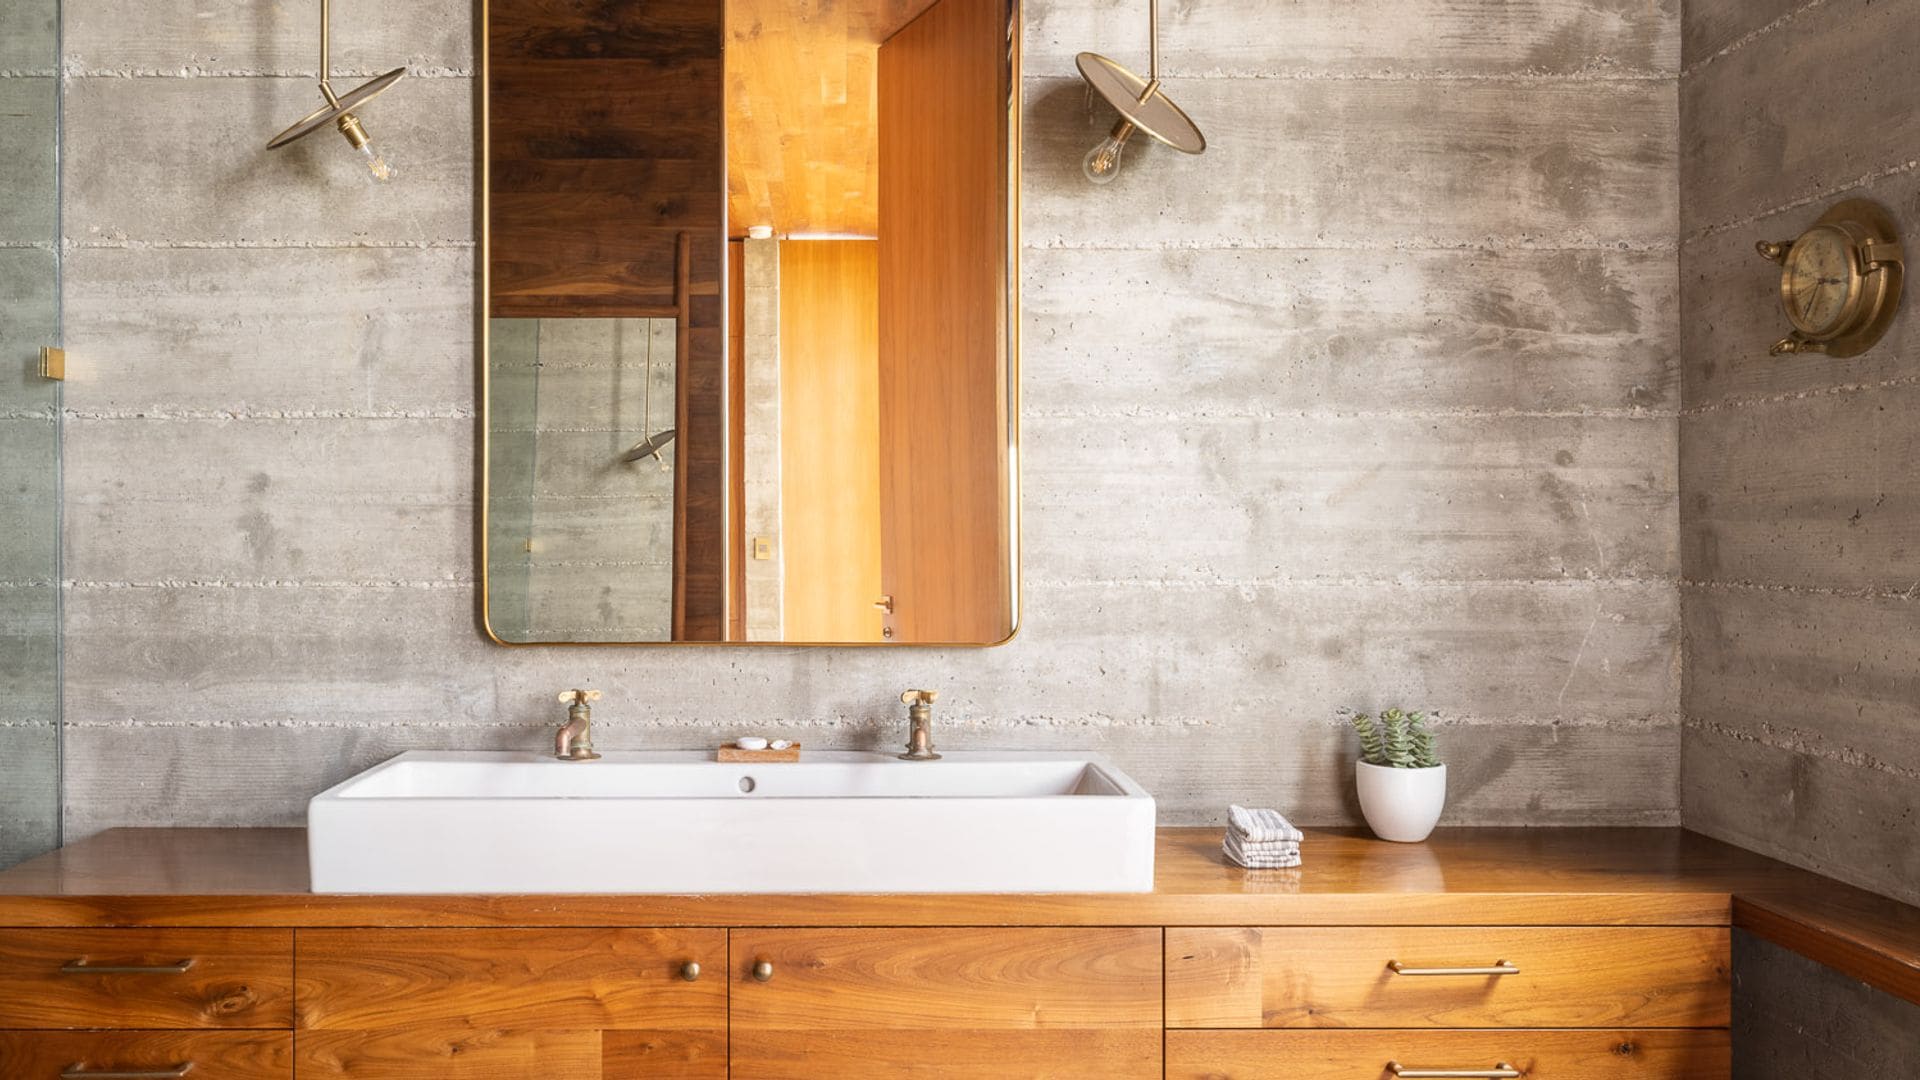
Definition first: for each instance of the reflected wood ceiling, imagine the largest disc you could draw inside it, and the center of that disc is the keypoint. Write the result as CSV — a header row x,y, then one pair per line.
x,y
802,126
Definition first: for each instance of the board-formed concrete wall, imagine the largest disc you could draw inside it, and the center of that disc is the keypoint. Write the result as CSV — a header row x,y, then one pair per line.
x,y
1374,403
1796,1020
1800,490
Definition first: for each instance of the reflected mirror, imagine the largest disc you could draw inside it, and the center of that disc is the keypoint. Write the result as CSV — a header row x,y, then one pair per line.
x,y
750,313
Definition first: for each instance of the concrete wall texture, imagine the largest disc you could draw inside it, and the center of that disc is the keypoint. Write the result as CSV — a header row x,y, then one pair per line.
x,y
1800,498
1376,403
1796,1020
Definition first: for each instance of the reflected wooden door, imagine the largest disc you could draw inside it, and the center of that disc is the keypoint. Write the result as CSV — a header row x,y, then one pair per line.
x,y
945,545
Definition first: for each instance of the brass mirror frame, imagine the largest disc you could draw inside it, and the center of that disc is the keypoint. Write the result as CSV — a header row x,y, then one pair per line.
x,y
483,335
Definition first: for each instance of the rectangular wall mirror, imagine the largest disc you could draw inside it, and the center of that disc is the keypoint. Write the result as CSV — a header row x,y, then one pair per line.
x,y
749,347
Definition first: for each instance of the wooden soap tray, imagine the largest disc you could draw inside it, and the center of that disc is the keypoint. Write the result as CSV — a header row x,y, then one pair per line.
x,y
733,753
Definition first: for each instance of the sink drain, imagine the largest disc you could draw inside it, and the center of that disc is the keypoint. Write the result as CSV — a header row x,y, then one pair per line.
x,y
746,785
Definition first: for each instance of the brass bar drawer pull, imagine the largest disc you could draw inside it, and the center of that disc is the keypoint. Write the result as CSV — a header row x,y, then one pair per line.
x,y
1499,967
81,967
79,1073
1502,1071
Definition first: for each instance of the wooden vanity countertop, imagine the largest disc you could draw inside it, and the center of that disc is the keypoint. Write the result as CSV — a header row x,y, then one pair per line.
x,y
1459,877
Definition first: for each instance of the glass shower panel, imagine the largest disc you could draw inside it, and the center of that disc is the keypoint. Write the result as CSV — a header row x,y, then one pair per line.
x,y
580,505
29,429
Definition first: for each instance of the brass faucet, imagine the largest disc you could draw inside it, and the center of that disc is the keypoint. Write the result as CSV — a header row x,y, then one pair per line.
x,y
574,740
920,714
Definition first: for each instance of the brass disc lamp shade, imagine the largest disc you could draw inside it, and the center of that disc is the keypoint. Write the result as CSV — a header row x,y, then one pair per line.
x,y
1142,104
338,111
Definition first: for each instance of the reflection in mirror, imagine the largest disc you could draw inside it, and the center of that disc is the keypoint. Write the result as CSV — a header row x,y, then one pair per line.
x,y
581,525
749,361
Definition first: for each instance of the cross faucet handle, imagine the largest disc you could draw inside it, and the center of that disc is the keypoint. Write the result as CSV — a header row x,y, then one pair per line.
x,y
578,697
919,697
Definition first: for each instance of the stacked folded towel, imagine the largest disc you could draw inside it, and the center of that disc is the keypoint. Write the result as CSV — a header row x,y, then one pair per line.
x,y
1261,839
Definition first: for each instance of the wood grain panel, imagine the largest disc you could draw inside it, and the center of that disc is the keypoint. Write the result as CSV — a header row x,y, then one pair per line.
x,y
238,979
408,1004
802,127
372,979
1365,1055
830,438
1860,934
603,141
213,1055
945,90
1338,977
490,1053
963,1003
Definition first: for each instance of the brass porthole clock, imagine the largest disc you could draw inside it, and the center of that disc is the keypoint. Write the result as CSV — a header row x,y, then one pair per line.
x,y
1839,281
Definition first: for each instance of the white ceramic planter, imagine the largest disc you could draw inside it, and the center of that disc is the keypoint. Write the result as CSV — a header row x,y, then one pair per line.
x,y
1401,804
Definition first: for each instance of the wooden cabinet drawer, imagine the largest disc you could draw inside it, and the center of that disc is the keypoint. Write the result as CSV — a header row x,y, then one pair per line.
x,y
206,1055
497,1004
1371,1055
957,1004
146,978
1568,977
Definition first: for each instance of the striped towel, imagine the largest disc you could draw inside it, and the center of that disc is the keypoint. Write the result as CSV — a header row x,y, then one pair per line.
x,y
1261,839
1261,826
1274,856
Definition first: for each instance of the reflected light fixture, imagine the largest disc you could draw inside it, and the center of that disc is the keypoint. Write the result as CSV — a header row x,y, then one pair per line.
x,y
1143,106
338,111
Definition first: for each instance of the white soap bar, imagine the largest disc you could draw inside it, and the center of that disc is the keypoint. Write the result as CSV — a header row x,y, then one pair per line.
x,y
778,744
751,742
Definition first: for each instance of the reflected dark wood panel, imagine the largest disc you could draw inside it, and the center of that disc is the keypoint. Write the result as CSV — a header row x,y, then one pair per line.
x,y
663,30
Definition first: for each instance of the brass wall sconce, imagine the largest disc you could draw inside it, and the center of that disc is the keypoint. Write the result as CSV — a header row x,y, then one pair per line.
x,y
338,110
1143,106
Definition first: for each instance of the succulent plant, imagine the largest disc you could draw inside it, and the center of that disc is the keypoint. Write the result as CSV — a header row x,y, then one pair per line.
x,y
1398,740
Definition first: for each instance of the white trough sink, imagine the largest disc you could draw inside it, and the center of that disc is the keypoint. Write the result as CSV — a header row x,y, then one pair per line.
x,y
680,822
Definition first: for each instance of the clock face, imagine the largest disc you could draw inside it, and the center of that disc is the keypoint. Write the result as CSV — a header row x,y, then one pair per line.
x,y
1820,280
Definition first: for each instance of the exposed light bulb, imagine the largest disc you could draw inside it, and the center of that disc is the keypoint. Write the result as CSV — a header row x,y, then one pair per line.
x,y
1102,163
356,134
377,165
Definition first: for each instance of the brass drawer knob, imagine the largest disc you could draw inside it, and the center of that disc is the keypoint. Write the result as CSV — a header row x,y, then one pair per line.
x,y
1498,967
1502,1071
763,971
690,970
